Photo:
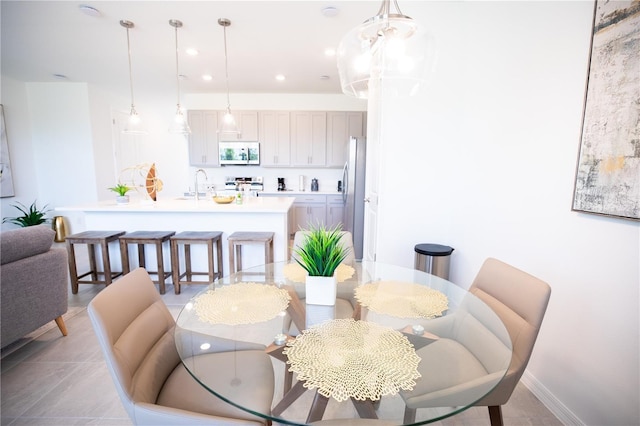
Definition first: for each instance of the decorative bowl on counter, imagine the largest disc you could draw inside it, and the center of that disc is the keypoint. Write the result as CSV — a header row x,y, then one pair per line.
x,y
224,199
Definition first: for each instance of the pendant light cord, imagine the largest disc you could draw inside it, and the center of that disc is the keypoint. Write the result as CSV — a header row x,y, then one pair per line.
x,y
130,72
177,71
226,67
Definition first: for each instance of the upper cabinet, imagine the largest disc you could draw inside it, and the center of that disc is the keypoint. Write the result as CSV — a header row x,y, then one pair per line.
x,y
203,140
340,127
275,138
247,122
308,138
287,138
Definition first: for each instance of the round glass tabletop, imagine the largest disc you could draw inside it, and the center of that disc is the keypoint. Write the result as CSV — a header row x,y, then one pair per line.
x,y
392,338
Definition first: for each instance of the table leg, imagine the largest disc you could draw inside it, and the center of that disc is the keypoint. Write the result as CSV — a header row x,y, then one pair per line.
x,y
296,392
317,408
365,409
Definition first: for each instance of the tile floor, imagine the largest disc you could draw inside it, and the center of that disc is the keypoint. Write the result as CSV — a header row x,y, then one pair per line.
x,y
57,380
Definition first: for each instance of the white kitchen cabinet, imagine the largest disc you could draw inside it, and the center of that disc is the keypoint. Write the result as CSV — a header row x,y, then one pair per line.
x,y
309,211
247,122
308,138
203,140
275,138
340,127
335,211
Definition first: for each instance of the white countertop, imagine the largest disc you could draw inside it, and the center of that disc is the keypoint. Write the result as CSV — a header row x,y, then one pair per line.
x,y
250,205
289,193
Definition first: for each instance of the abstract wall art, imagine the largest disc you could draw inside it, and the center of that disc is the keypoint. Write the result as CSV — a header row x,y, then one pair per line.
x,y
608,170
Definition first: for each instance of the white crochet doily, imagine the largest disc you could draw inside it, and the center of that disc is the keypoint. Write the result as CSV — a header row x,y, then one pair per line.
x,y
403,300
242,303
295,272
345,358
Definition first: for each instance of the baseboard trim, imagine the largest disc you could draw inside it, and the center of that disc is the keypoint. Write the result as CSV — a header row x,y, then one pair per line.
x,y
553,404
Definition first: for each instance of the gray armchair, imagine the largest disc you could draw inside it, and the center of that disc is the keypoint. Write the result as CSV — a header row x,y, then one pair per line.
x,y
473,359
34,282
136,333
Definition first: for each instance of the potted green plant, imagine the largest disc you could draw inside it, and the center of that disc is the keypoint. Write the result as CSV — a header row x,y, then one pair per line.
x,y
121,190
320,254
31,216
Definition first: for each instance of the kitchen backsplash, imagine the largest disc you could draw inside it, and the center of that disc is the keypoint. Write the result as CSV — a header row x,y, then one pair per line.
x,y
327,178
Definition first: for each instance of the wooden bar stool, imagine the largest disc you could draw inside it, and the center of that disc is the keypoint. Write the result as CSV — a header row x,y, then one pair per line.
x,y
237,239
194,237
92,239
157,238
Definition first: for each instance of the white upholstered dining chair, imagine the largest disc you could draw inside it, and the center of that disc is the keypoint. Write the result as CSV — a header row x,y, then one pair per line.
x,y
520,301
136,333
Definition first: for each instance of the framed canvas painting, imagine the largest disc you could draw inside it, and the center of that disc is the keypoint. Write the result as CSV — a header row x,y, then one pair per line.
x,y
608,170
6,175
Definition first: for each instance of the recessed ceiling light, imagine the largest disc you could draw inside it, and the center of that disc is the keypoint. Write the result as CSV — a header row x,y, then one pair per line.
x,y
280,77
324,77
192,52
330,51
330,11
89,10
207,77
60,77
182,77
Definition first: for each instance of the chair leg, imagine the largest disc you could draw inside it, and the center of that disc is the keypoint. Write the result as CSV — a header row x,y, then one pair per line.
x,y
409,415
61,325
495,415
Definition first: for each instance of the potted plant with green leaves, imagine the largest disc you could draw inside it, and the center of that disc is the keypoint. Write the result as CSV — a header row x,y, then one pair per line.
x,y
121,190
31,215
320,254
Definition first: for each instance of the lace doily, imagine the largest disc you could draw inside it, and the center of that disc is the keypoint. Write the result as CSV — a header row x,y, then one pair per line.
x,y
404,300
345,359
295,272
242,303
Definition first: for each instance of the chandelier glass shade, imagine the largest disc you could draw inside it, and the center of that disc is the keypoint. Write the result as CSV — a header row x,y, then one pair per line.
x,y
180,126
228,124
389,49
134,125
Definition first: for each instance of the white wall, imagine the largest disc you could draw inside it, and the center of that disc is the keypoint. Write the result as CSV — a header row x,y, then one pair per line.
x,y
485,162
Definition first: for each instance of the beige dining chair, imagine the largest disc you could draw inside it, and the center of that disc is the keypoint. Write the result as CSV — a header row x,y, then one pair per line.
x,y
346,240
460,364
136,333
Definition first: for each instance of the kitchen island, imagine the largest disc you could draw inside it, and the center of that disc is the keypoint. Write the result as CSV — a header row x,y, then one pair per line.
x,y
258,214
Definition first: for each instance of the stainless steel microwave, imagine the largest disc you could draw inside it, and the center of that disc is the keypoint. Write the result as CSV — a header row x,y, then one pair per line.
x,y
239,153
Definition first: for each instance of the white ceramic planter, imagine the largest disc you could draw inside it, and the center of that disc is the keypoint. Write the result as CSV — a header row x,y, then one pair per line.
x,y
122,199
321,290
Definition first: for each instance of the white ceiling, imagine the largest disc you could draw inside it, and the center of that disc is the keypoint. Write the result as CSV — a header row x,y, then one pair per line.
x,y
43,38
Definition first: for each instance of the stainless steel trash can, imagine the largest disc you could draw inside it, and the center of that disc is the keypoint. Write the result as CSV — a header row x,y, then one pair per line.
x,y
433,258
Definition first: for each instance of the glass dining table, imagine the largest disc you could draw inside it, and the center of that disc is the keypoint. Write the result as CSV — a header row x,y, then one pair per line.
x,y
382,343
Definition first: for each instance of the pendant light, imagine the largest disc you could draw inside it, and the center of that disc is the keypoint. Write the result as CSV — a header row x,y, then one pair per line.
x,y
390,49
134,125
228,121
180,125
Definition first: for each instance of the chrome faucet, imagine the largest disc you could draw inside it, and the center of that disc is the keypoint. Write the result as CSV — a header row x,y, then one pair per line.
x,y
205,178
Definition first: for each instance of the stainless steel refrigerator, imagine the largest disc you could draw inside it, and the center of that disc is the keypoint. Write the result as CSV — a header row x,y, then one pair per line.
x,y
353,176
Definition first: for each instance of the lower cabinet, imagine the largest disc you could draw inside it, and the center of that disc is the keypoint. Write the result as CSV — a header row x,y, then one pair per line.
x,y
335,211
313,210
309,211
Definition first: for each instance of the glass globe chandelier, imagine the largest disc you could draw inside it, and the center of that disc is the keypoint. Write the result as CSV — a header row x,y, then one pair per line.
x,y
389,48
